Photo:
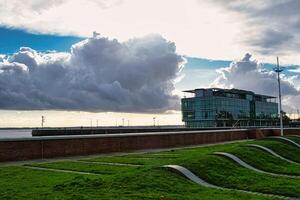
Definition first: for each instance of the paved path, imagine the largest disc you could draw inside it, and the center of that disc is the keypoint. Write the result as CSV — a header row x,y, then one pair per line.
x,y
298,136
166,154
270,152
60,170
287,140
295,136
242,163
108,163
188,174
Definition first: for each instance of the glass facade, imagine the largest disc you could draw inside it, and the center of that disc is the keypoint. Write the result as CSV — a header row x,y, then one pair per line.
x,y
219,108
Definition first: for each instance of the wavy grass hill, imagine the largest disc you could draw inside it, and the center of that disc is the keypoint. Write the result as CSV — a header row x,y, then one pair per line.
x,y
272,172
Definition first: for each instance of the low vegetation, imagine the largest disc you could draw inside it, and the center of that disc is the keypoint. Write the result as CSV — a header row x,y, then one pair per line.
x,y
295,139
265,161
148,180
144,183
282,148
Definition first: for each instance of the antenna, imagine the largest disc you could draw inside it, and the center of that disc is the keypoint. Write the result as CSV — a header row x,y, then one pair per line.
x,y
95,34
278,70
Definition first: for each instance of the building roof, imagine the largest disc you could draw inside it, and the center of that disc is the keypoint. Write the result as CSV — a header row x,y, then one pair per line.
x,y
233,91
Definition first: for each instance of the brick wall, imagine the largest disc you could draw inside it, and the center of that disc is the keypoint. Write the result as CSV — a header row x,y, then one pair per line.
x,y
50,147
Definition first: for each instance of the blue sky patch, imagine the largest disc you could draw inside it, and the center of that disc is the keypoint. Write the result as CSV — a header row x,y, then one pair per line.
x,y
12,39
196,63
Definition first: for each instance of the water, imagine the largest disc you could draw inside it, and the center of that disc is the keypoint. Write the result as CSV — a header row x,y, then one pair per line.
x,y
15,133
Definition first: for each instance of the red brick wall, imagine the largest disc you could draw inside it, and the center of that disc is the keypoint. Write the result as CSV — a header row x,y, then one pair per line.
x,y
288,131
20,150
35,148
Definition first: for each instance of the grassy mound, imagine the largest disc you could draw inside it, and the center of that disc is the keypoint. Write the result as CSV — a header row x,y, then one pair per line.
x,y
165,157
280,147
134,159
150,181
20,183
85,167
214,169
223,172
264,161
294,138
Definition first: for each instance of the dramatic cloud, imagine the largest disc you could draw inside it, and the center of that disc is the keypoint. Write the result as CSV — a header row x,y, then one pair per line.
x,y
194,28
215,29
248,74
270,41
98,75
272,26
66,17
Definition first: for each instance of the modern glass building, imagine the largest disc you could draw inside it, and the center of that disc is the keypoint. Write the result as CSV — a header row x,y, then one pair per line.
x,y
215,107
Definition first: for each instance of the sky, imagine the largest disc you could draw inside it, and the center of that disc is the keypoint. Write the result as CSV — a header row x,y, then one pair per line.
x,y
77,62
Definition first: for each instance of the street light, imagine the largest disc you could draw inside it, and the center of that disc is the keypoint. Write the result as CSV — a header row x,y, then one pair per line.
x,y
278,70
43,121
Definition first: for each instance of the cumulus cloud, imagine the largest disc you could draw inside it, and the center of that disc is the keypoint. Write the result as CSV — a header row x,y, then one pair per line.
x,y
295,70
99,74
249,74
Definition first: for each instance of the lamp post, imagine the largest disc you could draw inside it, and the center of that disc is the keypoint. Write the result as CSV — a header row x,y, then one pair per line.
x,y
278,70
43,121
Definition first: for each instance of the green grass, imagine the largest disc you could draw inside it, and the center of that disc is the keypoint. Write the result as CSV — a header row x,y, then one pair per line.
x,y
294,138
139,160
221,171
212,168
280,147
180,155
264,161
19,183
86,167
173,156
150,181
